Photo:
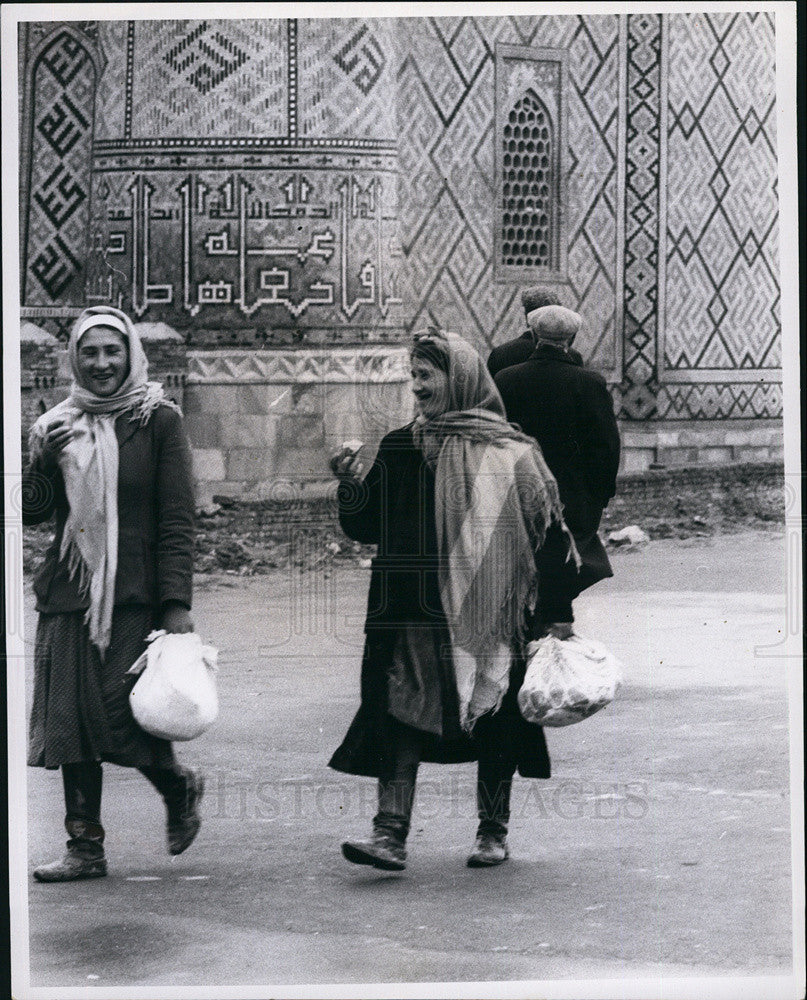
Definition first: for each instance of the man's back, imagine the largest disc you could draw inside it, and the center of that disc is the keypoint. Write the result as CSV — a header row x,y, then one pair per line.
x,y
516,351
567,408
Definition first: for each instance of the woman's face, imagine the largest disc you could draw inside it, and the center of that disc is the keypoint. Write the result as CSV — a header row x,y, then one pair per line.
x,y
103,360
430,386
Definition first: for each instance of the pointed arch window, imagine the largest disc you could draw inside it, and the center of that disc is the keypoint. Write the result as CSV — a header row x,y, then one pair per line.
x,y
529,234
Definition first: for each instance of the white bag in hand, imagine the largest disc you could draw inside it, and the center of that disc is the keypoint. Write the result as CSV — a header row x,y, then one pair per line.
x,y
175,697
567,680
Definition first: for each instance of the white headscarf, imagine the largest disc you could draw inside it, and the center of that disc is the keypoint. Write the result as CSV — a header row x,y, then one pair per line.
x,y
89,465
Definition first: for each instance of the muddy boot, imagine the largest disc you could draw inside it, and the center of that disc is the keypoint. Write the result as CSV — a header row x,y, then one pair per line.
x,y
182,791
85,848
490,848
84,857
493,787
385,849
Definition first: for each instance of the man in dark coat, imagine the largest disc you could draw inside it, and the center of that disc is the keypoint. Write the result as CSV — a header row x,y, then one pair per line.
x,y
513,352
568,409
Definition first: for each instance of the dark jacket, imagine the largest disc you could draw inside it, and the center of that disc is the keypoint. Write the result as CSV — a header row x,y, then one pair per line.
x,y
393,508
155,518
514,352
568,409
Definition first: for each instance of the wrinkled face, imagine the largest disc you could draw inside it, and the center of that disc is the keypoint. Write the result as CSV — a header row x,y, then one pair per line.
x,y
103,360
430,386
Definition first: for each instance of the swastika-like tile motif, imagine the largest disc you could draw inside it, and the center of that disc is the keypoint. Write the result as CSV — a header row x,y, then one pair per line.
x,y
447,199
346,72
61,146
722,217
209,77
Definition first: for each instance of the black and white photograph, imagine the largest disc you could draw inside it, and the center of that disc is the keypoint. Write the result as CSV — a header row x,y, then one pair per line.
x,y
403,527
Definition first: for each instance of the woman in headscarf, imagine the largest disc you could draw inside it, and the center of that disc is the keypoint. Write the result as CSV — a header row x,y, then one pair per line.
x,y
470,536
112,463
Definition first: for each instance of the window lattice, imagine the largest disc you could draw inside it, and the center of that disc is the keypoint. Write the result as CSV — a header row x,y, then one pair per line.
x,y
527,176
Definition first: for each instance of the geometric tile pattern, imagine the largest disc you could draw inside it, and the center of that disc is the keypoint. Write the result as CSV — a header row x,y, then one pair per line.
x,y
722,260
720,272
641,275
346,73
62,96
447,200
719,401
197,78
110,104
357,365
246,171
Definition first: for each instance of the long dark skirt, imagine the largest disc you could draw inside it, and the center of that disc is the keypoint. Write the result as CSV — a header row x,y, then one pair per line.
x,y
80,709
505,733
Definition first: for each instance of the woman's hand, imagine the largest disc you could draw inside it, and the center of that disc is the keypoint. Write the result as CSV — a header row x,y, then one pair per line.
x,y
345,465
57,436
177,618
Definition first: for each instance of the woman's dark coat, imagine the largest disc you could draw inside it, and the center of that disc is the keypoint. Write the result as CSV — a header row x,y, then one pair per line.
x,y
155,518
393,508
567,408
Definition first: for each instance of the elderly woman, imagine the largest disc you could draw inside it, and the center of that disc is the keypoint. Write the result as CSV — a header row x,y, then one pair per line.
x,y
112,463
470,536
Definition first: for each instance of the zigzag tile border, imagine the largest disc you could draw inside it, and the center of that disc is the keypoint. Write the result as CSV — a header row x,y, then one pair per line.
x,y
331,365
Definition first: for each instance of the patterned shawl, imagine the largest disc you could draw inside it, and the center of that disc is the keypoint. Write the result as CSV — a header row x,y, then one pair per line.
x,y
89,464
495,497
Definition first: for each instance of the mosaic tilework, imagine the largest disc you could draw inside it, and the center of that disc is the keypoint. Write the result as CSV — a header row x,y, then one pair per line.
x,y
280,248
196,78
62,95
447,197
110,101
722,261
347,77
642,216
719,401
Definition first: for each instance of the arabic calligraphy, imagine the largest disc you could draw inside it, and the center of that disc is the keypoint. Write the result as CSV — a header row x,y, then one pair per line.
x,y
240,247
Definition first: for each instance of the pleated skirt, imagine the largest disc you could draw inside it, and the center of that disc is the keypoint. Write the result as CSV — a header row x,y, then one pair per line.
x,y
80,709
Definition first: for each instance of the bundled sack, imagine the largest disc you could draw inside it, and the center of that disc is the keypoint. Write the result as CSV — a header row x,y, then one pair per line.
x,y
567,680
175,696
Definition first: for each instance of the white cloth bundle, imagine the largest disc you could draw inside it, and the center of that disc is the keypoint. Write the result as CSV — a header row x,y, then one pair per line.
x,y
567,680
175,696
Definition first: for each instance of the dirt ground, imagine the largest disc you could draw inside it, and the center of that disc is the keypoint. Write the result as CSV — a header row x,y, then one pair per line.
x,y
660,848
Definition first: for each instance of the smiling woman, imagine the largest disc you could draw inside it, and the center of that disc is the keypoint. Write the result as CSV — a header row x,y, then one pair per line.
x,y
102,360
111,463
464,512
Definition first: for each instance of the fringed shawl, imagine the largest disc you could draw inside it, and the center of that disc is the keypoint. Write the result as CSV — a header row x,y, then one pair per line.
x,y
495,498
89,465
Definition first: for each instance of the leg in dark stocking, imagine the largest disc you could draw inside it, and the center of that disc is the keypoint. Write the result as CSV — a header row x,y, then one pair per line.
x,y
182,791
85,847
493,786
396,792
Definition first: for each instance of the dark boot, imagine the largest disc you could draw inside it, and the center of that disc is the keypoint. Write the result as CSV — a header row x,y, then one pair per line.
x,y
182,791
493,786
85,848
385,849
490,849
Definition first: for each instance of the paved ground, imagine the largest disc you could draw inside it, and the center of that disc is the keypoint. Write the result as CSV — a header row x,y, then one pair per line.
x,y
661,844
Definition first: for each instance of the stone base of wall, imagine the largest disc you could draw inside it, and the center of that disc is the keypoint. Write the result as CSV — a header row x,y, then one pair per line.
x,y
675,444
262,424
